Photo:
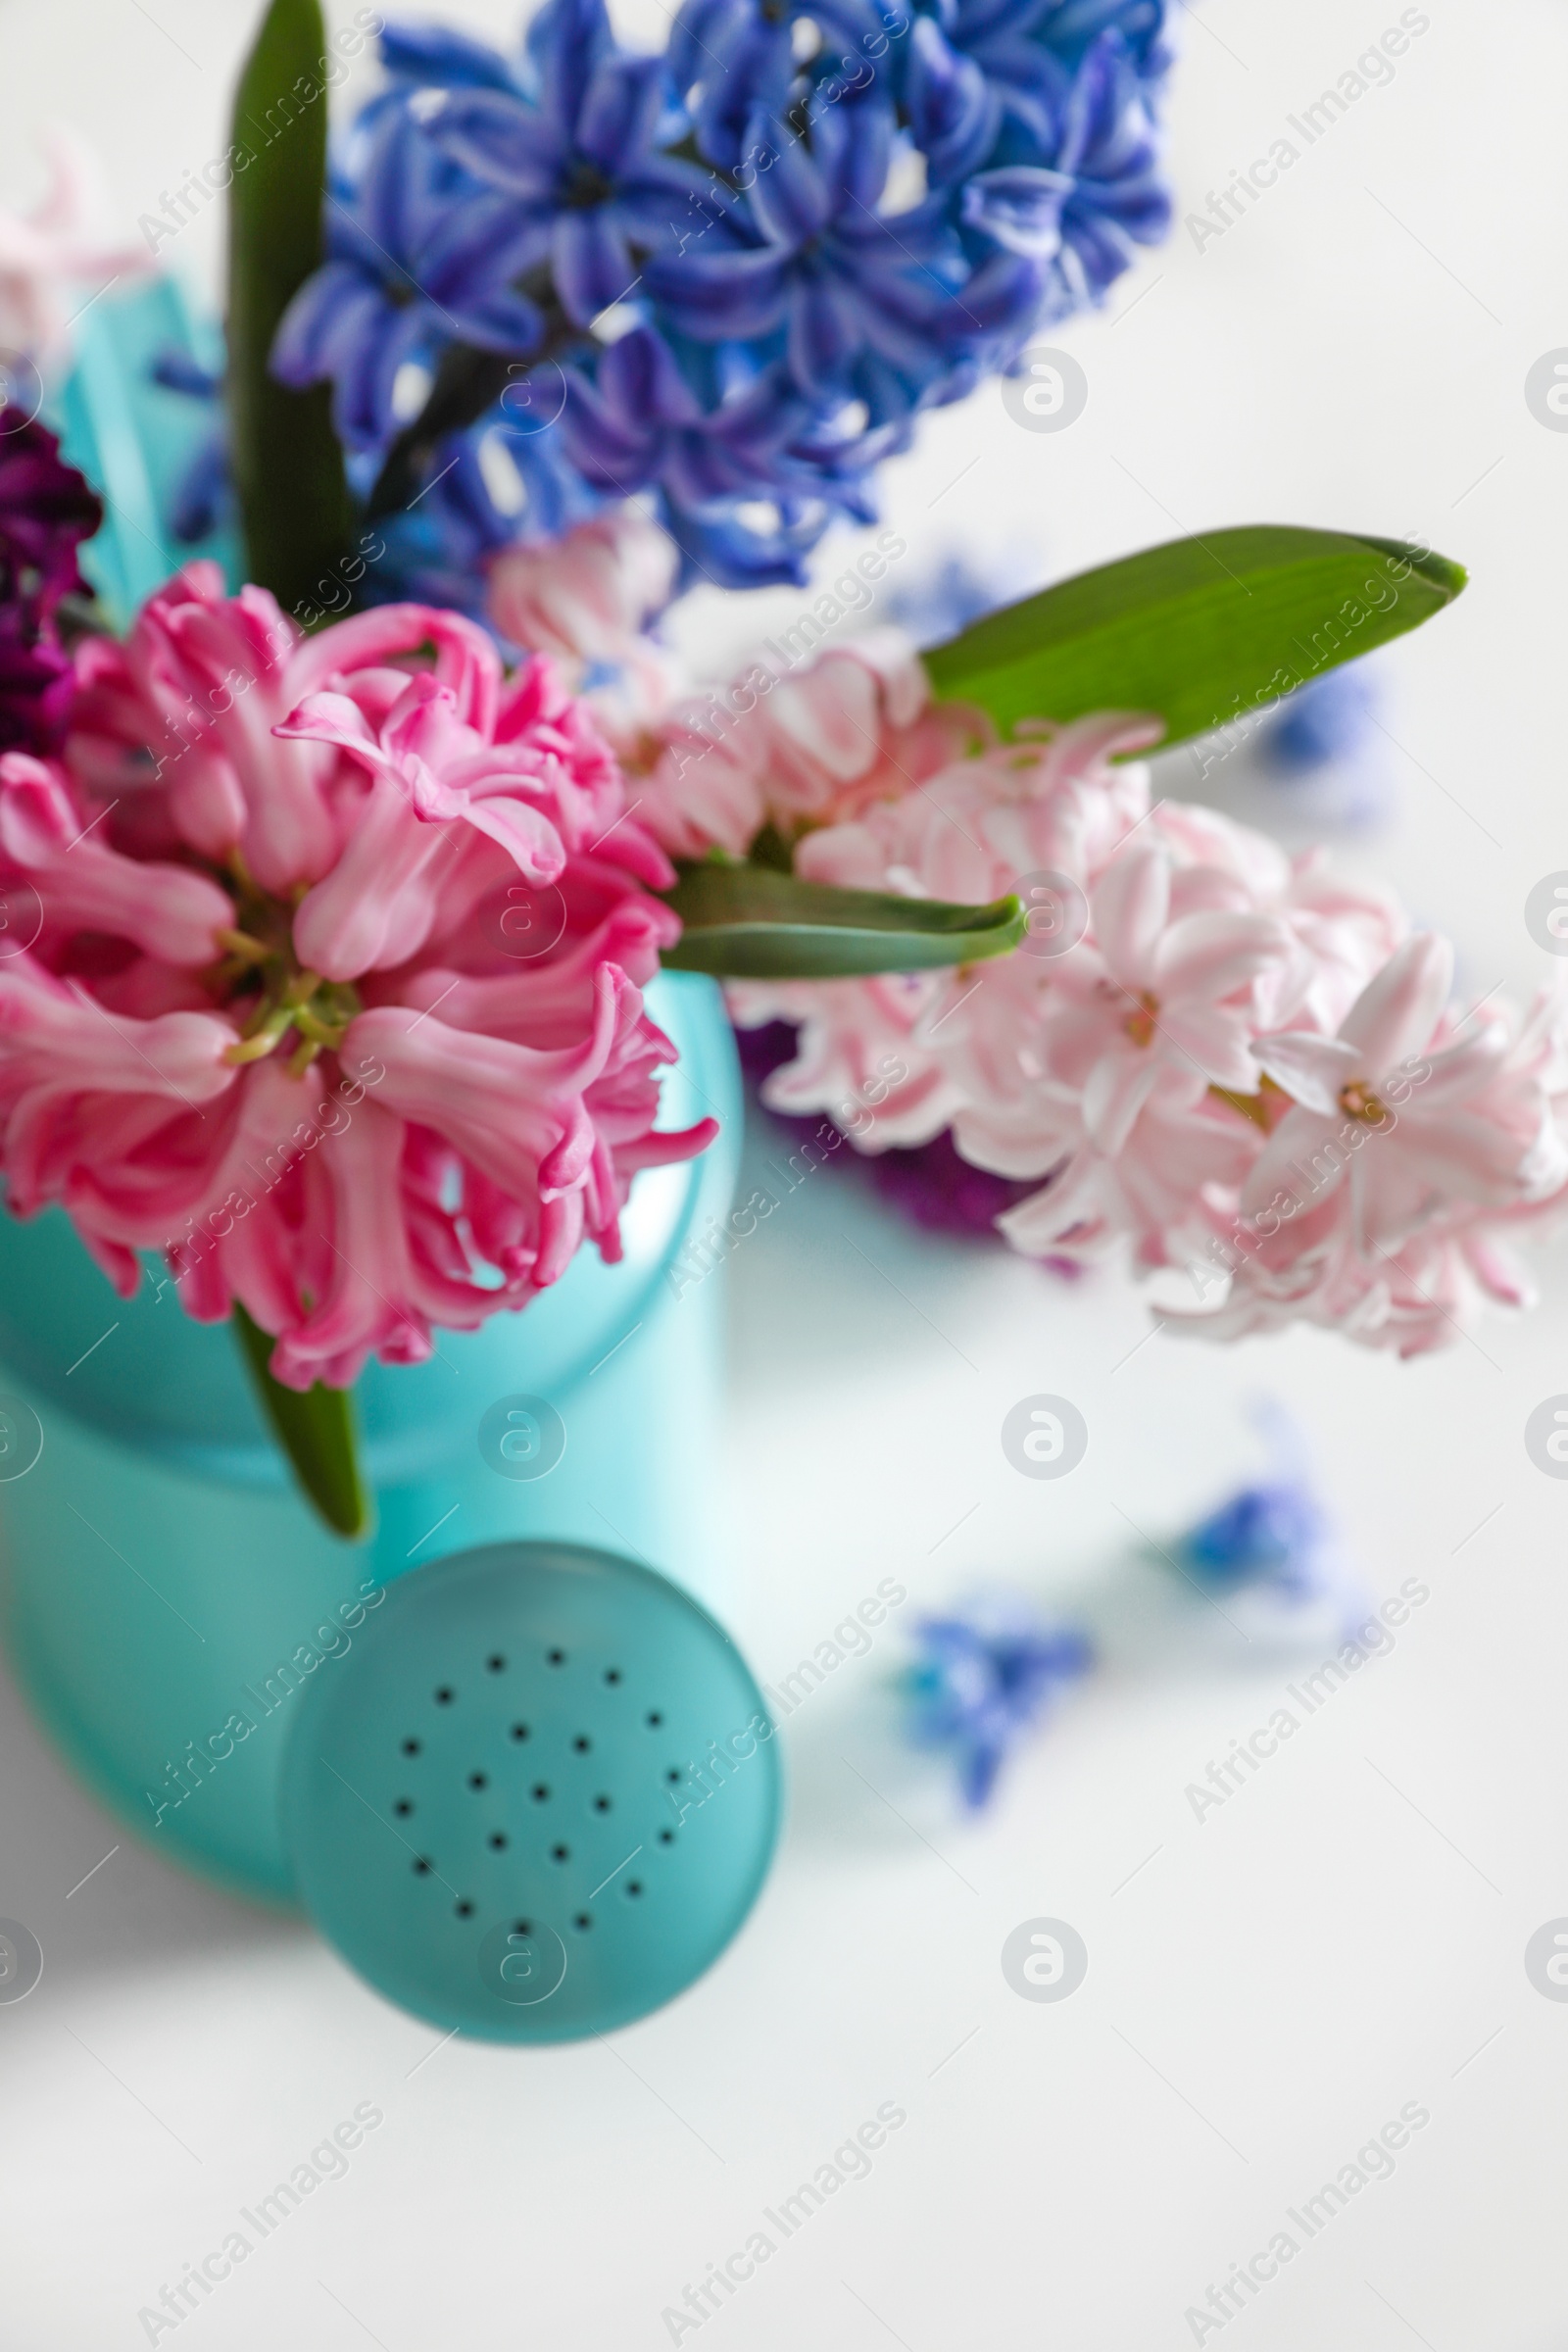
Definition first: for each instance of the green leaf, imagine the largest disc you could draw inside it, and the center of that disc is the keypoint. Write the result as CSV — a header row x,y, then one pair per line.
x,y
315,1429
1197,630
751,922
288,468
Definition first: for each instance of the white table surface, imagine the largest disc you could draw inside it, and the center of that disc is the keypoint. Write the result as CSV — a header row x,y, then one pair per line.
x,y
1342,1937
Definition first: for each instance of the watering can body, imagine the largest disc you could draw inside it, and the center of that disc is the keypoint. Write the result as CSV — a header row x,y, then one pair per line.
x,y
167,1595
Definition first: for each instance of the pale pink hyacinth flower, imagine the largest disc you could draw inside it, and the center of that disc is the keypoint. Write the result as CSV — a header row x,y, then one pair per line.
x,y
1059,803
1140,1073
54,260
1164,992
1383,1203
1138,1040
275,1021
590,595
812,745
588,601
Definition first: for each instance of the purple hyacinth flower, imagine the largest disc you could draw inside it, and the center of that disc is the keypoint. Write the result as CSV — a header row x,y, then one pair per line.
x,y
982,1679
936,1188
37,685
46,512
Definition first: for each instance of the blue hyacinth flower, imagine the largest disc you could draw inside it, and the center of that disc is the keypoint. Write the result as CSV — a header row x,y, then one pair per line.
x,y
1275,1533
822,271
896,195
1325,719
582,164
202,492
418,256
1083,194
982,1680
1272,1546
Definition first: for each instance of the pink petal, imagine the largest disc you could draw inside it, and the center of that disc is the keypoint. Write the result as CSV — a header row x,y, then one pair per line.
x,y
1396,1013
371,909
1119,1085
1212,1040
1128,911
1311,1069
1213,954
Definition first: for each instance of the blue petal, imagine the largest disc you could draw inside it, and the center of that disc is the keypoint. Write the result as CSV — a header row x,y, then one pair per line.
x,y
621,113
790,198
313,325
566,41
502,140
202,491
593,268
364,356
1020,207
671,205
431,55
640,378
754,73
853,143
823,337
712,296
482,246
953,111
609,452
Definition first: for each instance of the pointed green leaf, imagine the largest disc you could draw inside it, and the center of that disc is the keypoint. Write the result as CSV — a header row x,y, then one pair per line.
x,y
315,1429
1197,630
751,922
288,468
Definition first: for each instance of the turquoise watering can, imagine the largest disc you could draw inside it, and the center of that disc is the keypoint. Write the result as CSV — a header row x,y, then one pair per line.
x,y
500,1751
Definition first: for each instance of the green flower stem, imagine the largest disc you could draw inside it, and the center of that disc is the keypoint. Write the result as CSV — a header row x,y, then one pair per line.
x,y
315,1429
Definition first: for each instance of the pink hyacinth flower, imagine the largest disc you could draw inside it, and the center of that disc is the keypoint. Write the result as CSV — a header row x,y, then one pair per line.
x,y
335,996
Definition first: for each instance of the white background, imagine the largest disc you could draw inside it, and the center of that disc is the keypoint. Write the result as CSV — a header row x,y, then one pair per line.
x,y
1347,1934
